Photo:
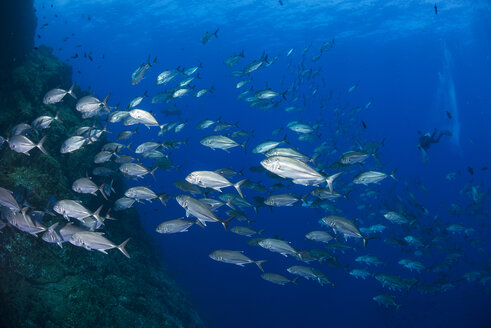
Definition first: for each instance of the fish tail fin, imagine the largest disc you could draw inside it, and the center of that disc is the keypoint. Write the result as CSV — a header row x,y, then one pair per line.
x,y
152,172
314,158
330,180
216,33
241,171
101,189
225,222
283,94
53,227
346,195
260,264
243,145
284,139
229,203
198,222
145,94
40,145
104,102
260,232
128,147
70,92
57,117
295,280
162,198
123,249
109,217
365,240
237,187
304,197
97,216
392,174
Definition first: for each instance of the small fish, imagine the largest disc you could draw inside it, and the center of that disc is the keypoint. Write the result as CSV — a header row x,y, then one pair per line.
x,y
174,226
449,115
470,170
208,35
234,257
277,278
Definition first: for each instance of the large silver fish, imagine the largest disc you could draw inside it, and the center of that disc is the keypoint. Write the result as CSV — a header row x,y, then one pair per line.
x,y
300,172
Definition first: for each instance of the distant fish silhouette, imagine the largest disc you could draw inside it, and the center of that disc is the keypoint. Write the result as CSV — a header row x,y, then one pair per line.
x,y
449,115
436,9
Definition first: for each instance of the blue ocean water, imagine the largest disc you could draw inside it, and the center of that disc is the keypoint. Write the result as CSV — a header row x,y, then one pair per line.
x,y
418,70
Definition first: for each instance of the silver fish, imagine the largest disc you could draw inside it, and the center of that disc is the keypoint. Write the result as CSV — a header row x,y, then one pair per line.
x,y
278,279
320,236
22,144
210,179
199,210
90,105
281,200
372,177
68,230
23,222
174,226
51,236
344,226
278,246
43,122
56,95
300,172
86,186
72,209
143,193
234,257
95,240
7,200
72,144
220,142
134,170
123,203
143,117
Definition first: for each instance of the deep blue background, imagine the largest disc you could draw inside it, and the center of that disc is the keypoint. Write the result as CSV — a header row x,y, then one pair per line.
x,y
395,51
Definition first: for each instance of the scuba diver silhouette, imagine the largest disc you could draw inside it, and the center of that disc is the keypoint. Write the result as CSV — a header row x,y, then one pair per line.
x,y
427,139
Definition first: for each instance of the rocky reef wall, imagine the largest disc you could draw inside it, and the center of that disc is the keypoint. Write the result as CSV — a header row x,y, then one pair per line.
x,y
41,284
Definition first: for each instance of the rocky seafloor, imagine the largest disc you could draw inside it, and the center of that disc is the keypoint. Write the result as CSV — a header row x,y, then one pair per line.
x,y
43,285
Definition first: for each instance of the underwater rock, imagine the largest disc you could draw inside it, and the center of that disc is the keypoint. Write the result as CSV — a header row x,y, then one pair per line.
x,y
43,285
